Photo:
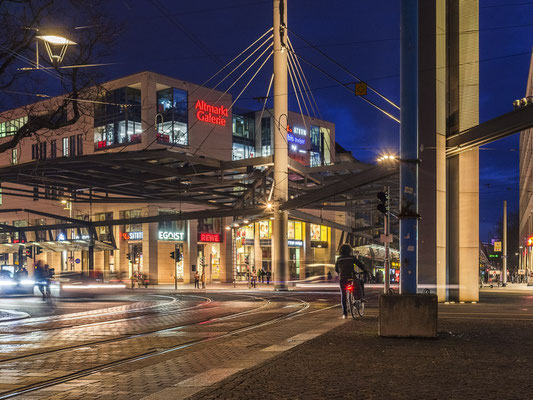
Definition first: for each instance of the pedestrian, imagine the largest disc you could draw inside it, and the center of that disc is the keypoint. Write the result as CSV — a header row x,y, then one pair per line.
x,y
268,274
346,270
38,276
196,280
202,279
248,278
254,278
329,276
262,275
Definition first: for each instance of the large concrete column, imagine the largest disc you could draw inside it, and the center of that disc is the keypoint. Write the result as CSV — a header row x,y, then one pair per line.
x,y
148,108
432,135
280,251
190,251
226,253
463,170
150,248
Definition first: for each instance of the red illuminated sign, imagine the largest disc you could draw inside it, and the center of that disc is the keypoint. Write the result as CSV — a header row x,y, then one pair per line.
x,y
211,114
209,237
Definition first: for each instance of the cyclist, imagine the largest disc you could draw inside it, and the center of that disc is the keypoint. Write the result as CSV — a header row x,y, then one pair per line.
x,y
345,268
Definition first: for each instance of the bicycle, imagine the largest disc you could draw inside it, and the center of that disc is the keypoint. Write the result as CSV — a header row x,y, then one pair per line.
x,y
355,297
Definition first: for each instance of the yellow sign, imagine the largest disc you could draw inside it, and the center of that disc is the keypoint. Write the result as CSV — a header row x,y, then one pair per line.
x,y
497,246
360,89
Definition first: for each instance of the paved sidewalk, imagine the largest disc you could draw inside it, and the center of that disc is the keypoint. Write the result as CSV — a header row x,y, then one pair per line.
x,y
473,358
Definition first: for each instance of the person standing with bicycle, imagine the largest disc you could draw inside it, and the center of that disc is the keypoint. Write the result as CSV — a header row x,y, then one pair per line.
x,y
345,268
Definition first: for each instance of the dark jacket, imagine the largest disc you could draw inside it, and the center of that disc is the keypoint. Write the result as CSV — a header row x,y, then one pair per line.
x,y
345,267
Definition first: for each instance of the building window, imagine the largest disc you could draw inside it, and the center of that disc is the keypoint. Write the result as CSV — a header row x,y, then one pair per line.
x,y
315,159
53,148
34,151
132,214
79,140
326,140
65,147
172,226
14,156
9,128
241,151
172,126
104,233
119,120
266,137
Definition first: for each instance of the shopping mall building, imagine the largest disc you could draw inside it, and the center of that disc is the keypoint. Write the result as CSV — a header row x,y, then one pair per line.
x,y
151,111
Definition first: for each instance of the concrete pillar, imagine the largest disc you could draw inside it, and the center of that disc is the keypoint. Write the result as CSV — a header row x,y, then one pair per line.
x,y
463,169
258,253
148,108
150,245
280,251
190,251
226,254
432,134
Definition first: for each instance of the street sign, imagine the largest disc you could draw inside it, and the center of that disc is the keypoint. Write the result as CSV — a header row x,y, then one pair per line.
x,y
360,89
385,238
521,272
497,246
77,261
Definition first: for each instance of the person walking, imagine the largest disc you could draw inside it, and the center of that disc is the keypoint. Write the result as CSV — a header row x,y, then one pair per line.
x,y
196,280
268,274
202,279
345,268
254,278
39,277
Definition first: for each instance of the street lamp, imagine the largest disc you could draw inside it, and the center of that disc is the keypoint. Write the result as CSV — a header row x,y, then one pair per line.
x,y
55,43
387,157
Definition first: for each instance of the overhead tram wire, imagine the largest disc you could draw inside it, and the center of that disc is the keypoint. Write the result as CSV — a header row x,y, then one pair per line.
x,y
347,88
227,75
344,69
303,79
292,79
265,102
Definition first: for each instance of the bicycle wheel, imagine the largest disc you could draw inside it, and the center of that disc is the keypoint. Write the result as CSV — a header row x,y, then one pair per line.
x,y
360,306
353,306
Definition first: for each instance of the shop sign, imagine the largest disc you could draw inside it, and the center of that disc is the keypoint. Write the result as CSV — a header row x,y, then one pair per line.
x,y
82,237
497,246
295,243
132,235
209,237
169,235
61,236
319,244
248,242
211,114
265,242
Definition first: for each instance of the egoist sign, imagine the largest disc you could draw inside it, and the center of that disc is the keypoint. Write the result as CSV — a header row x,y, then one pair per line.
x,y
211,114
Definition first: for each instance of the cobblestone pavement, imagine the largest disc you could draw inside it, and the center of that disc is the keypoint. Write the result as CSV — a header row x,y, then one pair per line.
x,y
109,355
269,346
484,351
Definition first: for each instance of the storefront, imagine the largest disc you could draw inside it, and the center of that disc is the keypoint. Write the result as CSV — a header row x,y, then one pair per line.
x,y
244,251
265,243
295,241
172,236
209,241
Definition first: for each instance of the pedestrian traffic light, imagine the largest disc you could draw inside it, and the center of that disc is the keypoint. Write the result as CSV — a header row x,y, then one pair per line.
x,y
128,256
178,255
29,252
173,255
383,206
38,250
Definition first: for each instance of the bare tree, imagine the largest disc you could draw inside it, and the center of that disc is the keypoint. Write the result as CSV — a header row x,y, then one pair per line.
x,y
21,22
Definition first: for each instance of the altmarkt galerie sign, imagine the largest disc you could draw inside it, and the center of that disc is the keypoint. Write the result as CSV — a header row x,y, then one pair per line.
x,y
211,114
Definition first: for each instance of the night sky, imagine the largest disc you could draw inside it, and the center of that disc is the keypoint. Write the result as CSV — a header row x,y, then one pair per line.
x,y
172,38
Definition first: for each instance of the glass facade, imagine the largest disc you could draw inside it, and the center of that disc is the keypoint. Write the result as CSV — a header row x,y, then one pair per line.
x,y
266,137
172,126
115,123
243,137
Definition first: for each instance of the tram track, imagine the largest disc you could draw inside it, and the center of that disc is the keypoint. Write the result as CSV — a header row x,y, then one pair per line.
x,y
155,353
136,335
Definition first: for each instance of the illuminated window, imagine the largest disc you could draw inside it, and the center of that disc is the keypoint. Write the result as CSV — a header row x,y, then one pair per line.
x,y
172,127
266,137
118,119
65,147
14,156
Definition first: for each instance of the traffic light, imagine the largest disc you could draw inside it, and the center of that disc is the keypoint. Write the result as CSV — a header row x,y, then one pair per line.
x,y
38,250
29,252
383,206
178,255
128,256
173,255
